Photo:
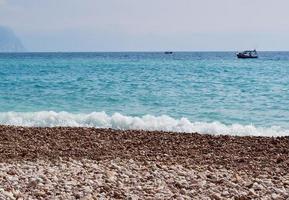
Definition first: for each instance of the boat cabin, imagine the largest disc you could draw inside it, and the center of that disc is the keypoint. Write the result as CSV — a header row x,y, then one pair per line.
x,y
248,54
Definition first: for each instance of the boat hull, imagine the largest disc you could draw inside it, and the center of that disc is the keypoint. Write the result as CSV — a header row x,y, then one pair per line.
x,y
245,56
168,52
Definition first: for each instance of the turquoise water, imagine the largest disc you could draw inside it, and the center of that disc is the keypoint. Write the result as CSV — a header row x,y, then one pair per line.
x,y
183,91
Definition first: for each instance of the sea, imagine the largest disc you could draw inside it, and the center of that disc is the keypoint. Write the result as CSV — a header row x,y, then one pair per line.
x,y
205,92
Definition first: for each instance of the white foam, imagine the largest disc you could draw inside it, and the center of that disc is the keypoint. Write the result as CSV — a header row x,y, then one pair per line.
x,y
119,121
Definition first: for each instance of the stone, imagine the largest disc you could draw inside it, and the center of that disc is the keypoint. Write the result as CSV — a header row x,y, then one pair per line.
x,y
237,178
275,196
183,191
256,186
40,194
216,196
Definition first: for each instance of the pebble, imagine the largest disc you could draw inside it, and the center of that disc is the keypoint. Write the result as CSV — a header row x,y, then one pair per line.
x,y
275,196
216,196
257,186
130,179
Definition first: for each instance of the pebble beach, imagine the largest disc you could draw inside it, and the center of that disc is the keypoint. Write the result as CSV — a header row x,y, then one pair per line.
x,y
90,163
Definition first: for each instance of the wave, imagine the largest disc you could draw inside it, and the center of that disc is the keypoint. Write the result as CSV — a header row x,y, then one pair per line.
x,y
147,122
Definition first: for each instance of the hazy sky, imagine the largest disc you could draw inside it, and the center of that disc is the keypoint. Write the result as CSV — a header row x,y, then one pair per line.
x,y
148,25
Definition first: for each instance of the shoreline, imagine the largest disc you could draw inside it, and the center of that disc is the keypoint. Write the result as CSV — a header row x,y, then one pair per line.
x,y
129,163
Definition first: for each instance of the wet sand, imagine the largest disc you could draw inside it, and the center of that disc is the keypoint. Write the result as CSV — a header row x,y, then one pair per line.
x,y
71,163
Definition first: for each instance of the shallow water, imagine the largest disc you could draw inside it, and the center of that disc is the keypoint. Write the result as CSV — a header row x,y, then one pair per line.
x,y
223,94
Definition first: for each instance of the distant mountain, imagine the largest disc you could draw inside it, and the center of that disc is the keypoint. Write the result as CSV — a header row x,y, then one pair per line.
x,y
9,41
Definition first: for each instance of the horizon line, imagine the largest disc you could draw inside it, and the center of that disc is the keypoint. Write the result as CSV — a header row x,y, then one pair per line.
x,y
131,51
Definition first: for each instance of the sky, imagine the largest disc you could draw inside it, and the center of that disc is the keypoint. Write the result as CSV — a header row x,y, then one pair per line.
x,y
148,25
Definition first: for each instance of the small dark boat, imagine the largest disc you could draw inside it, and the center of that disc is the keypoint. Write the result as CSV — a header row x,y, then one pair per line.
x,y
248,54
168,52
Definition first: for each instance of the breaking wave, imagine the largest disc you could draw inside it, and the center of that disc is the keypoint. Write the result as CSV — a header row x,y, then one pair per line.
x,y
119,121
